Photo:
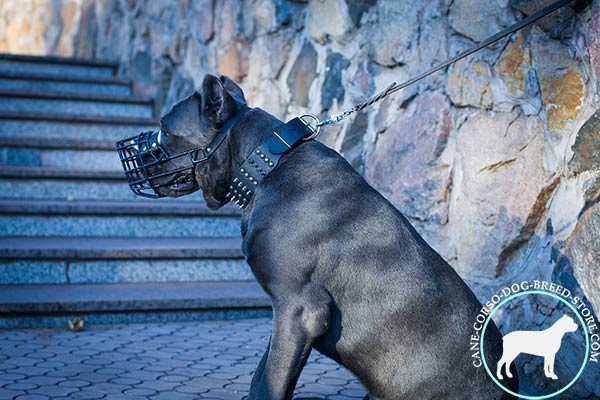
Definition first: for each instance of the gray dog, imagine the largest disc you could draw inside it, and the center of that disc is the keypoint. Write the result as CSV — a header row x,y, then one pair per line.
x,y
346,272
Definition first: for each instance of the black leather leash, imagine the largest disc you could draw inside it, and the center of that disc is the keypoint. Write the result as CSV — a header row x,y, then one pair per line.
x,y
394,87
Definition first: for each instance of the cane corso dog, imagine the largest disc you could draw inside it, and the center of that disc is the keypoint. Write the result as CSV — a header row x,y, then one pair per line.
x,y
346,272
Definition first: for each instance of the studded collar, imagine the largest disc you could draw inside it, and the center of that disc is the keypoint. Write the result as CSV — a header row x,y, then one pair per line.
x,y
265,158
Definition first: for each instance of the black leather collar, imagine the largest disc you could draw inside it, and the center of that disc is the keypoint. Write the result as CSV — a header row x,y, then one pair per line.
x,y
265,158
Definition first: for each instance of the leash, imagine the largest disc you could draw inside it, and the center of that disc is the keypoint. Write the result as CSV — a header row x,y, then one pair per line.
x,y
394,87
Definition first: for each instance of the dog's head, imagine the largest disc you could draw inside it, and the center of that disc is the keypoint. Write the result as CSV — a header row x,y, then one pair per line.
x,y
567,324
193,123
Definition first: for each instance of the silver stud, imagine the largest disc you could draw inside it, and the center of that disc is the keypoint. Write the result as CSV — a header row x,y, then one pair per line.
x,y
271,164
266,159
230,187
255,183
242,170
246,174
257,151
208,149
262,156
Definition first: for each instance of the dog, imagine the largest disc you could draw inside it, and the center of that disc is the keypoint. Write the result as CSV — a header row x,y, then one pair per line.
x,y
539,343
346,272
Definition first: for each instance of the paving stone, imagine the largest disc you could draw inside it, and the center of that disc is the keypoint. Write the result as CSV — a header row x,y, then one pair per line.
x,y
126,381
108,388
173,396
50,364
191,389
20,386
88,394
158,368
5,366
62,374
159,386
32,397
10,376
53,391
74,383
92,377
43,380
140,392
10,394
30,346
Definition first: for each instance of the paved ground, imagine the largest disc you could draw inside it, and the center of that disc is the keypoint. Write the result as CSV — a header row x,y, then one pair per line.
x,y
172,361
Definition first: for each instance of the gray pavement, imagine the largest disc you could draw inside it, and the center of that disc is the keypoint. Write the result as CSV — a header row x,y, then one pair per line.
x,y
171,361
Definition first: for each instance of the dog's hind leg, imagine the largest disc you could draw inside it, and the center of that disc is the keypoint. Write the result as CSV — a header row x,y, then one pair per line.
x,y
295,328
507,363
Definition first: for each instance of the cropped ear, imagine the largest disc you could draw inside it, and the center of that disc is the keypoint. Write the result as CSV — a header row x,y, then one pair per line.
x,y
217,105
232,87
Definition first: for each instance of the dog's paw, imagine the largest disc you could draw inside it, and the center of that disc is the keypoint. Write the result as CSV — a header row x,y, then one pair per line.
x,y
508,374
499,376
552,376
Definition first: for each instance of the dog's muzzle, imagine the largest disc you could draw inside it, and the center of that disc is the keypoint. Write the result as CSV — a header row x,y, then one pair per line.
x,y
145,153
149,166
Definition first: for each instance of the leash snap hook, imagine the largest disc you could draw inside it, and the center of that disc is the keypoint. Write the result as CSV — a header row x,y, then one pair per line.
x,y
315,131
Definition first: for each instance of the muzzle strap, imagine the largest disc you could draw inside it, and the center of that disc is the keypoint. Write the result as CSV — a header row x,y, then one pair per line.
x,y
265,158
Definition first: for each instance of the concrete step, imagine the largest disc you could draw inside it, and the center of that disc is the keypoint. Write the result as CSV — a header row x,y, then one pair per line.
x,y
67,153
63,84
52,126
75,104
85,221
27,306
169,207
57,66
118,248
62,184
118,260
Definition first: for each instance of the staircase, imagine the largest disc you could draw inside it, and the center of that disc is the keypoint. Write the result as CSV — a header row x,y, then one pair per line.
x,y
74,240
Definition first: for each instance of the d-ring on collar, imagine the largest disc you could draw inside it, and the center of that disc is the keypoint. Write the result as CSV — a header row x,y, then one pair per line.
x,y
265,158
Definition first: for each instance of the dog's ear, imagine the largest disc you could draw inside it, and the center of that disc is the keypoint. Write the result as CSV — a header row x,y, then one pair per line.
x,y
232,87
217,104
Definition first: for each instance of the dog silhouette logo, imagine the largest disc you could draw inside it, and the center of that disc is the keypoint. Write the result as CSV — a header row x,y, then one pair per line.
x,y
538,343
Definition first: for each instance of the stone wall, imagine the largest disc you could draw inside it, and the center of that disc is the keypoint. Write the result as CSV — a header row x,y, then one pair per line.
x,y
496,161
